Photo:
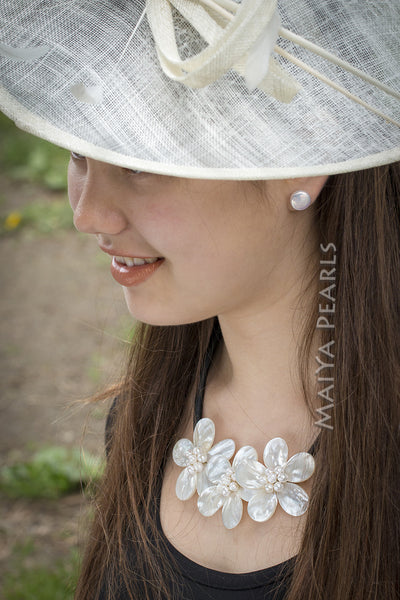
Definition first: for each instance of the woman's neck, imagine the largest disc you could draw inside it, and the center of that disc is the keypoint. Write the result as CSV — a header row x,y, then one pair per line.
x,y
254,388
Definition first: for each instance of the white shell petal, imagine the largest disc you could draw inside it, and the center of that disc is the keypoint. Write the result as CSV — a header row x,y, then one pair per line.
x,y
300,467
186,485
262,506
248,473
202,481
232,511
275,453
245,452
247,494
209,501
293,499
225,447
181,448
203,435
216,467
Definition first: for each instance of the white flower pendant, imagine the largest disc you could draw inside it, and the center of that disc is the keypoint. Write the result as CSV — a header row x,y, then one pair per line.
x,y
220,484
193,456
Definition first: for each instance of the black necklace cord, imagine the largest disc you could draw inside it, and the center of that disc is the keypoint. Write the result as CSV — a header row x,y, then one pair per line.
x,y
213,344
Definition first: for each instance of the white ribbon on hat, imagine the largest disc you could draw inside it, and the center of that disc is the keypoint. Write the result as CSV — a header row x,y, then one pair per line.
x,y
245,44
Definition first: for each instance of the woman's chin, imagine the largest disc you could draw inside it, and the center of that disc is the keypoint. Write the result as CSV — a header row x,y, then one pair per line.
x,y
159,314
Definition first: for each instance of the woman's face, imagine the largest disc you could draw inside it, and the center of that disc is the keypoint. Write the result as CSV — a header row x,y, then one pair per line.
x,y
223,245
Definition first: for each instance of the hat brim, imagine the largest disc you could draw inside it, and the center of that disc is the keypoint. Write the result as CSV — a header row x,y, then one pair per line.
x,y
39,127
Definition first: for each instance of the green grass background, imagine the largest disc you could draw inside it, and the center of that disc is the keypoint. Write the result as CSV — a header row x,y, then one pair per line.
x,y
51,471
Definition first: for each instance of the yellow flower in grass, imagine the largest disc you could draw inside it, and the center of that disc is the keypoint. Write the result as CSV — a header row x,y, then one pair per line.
x,y
12,221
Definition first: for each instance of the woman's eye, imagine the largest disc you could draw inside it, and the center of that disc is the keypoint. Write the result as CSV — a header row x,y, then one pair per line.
x,y
77,156
134,171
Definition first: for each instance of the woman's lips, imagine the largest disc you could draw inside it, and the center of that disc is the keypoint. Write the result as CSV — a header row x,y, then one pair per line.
x,y
133,275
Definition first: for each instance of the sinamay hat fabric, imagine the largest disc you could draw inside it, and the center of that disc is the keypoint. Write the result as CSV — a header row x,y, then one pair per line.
x,y
88,76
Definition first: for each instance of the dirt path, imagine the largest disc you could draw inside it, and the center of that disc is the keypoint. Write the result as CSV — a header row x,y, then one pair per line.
x,y
59,312
62,318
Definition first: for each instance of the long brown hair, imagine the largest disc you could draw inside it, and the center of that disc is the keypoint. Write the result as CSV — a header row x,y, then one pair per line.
x,y
351,546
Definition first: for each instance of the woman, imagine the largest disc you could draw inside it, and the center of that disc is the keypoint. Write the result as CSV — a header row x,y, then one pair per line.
x,y
251,210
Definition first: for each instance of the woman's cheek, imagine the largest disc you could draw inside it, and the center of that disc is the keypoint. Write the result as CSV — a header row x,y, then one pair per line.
x,y
167,230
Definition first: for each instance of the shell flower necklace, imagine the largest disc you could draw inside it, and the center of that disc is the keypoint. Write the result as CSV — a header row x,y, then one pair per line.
x,y
220,483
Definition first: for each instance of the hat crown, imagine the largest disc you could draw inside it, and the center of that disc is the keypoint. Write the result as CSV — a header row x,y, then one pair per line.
x,y
96,85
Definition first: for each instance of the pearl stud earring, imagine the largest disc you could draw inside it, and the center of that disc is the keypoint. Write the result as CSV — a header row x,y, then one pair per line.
x,y
300,200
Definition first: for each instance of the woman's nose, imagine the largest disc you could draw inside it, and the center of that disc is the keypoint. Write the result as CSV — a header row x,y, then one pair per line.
x,y
95,195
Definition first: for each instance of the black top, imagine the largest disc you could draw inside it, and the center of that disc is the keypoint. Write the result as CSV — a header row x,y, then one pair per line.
x,y
200,583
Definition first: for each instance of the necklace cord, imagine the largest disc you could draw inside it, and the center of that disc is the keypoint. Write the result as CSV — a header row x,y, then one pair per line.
x,y
213,344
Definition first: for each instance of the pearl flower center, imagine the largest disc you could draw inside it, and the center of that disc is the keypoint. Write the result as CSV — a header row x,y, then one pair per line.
x,y
228,483
195,460
274,479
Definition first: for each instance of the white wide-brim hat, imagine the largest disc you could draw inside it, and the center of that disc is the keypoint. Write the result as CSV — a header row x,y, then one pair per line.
x,y
222,89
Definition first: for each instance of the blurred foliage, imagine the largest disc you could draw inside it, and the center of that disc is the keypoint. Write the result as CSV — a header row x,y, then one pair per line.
x,y
50,473
25,157
94,369
43,217
40,582
125,328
